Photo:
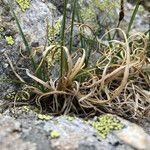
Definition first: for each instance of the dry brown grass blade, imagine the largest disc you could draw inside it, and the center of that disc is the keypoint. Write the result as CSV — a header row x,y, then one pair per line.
x,y
12,67
45,84
77,67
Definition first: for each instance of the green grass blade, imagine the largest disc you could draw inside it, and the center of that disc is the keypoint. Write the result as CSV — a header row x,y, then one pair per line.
x,y
34,65
11,81
72,24
133,16
80,20
23,37
63,59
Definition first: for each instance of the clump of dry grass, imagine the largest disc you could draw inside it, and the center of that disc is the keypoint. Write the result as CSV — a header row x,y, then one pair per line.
x,y
116,84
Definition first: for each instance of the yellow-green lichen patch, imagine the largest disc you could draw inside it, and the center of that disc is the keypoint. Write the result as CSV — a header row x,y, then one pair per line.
x,y
54,134
53,34
26,109
90,11
54,31
19,96
70,118
1,29
106,124
23,4
10,95
44,117
9,40
20,110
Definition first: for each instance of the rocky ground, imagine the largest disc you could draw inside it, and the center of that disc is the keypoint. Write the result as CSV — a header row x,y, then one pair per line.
x,y
26,131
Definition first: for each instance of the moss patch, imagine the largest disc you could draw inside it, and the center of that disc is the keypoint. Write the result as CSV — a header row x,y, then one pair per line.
x,y
23,4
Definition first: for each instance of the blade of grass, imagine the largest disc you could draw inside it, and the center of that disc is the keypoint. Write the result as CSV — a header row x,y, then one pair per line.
x,y
23,36
133,16
34,65
12,81
80,20
62,62
72,25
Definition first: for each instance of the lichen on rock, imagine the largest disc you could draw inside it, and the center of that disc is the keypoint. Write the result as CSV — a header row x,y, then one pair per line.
x,y
44,117
23,4
92,9
106,124
54,31
9,40
54,134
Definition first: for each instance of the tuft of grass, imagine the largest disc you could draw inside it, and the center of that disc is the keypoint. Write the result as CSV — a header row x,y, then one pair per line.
x,y
116,81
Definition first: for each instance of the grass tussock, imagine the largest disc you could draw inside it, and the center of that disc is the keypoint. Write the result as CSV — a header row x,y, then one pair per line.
x,y
117,83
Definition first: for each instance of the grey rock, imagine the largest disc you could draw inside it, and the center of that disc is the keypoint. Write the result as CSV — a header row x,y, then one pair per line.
x,y
10,135
145,3
29,131
38,136
133,135
33,21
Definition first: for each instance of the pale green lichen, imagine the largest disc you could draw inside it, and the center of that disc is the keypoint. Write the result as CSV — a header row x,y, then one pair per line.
x,y
10,95
105,5
88,14
90,11
26,109
54,134
44,117
70,118
54,31
9,40
106,124
53,34
52,7
19,96
23,4
20,110
1,29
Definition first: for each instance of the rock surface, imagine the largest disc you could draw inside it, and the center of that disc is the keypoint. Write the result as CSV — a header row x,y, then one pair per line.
x,y
28,132
34,25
